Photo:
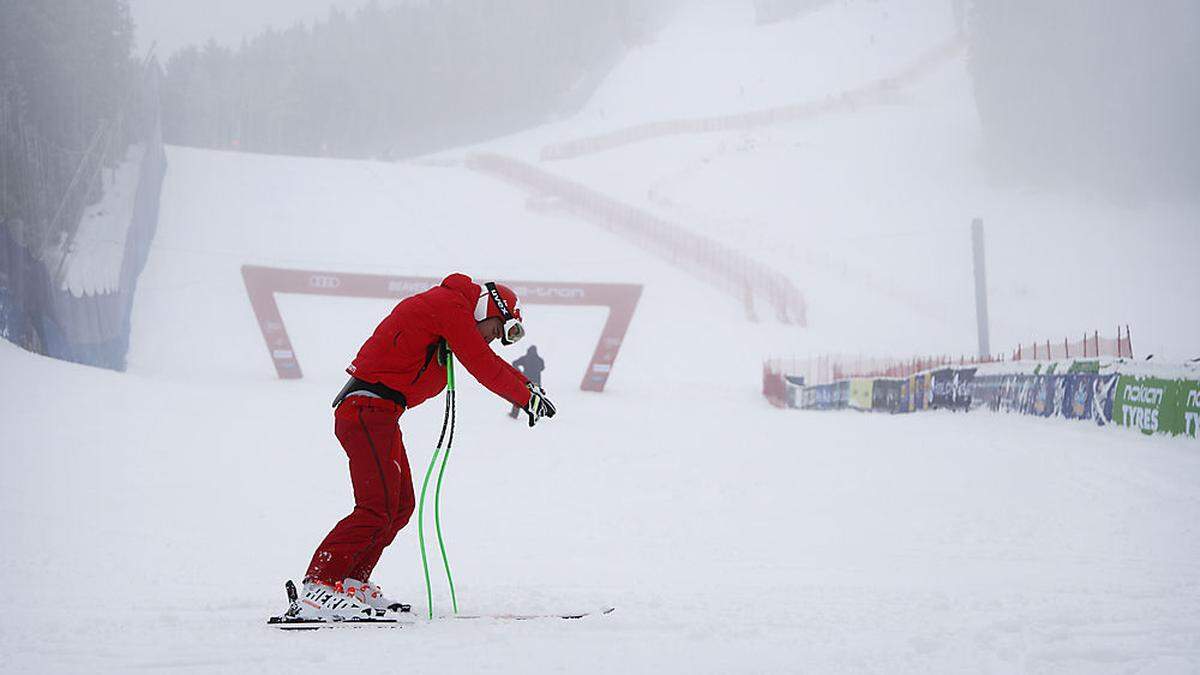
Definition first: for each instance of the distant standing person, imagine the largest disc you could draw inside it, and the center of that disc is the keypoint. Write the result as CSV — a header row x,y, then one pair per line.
x,y
531,365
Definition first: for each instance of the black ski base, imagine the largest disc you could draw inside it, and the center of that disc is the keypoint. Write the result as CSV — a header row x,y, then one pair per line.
x,y
292,623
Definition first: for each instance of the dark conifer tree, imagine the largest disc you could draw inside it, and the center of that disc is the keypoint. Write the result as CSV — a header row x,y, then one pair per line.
x,y
393,80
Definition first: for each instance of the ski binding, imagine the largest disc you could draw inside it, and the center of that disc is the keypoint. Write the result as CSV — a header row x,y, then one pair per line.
x,y
290,620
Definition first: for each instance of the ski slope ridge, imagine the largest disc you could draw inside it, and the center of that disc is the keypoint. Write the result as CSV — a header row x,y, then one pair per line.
x,y
869,209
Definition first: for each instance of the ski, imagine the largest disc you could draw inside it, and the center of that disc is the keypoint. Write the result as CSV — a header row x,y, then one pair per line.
x,y
530,617
291,620
291,623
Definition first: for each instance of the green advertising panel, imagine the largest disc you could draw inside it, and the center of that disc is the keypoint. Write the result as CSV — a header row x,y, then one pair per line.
x,y
1139,403
1084,367
1189,392
1157,406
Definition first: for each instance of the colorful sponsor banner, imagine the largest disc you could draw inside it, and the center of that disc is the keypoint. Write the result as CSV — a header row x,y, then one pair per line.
x,y
986,390
943,388
825,396
1058,393
1153,405
1008,396
964,381
885,395
862,392
1150,404
819,397
919,388
1104,390
1042,396
841,394
1077,396
1189,393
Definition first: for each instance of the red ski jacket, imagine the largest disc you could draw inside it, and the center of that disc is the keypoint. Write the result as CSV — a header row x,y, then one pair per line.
x,y
403,352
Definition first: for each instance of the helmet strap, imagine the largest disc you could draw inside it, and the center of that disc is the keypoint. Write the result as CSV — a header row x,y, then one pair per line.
x,y
499,300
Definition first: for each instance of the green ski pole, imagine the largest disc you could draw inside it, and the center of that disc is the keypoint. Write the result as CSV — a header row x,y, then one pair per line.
x,y
437,493
447,420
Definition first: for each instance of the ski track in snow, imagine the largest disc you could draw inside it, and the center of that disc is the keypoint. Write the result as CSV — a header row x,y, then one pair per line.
x,y
152,517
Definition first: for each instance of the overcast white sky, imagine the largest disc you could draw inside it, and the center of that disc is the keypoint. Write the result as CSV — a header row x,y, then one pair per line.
x,y
177,23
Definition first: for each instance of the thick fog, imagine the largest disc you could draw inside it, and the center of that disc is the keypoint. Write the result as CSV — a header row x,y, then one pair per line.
x,y
170,26
1090,107
1103,95
830,335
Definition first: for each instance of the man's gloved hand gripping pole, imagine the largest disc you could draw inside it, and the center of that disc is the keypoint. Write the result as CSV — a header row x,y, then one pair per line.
x,y
539,406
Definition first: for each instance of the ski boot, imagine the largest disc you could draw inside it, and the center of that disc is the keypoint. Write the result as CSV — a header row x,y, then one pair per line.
x,y
371,594
322,605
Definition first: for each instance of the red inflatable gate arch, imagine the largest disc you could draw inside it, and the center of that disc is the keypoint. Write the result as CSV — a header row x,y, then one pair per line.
x,y
262,283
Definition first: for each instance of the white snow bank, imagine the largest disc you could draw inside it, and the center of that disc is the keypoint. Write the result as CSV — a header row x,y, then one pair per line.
x,y
92,264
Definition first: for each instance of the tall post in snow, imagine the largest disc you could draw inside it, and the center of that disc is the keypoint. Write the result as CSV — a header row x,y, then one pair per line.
x,y
981,311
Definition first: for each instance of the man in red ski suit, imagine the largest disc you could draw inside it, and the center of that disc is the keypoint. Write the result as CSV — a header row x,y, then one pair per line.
x,y
400,366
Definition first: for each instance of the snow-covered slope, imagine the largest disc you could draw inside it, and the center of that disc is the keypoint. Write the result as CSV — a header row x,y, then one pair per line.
x,y
869,209
149,523
150,517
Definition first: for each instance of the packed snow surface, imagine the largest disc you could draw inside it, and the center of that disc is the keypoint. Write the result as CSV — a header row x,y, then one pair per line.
x,y
150,523
151,517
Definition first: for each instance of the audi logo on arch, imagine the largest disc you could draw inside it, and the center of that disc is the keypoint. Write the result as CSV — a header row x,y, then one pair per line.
x,y
324,281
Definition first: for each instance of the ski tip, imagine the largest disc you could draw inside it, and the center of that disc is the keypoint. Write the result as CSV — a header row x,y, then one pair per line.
x,y
600,612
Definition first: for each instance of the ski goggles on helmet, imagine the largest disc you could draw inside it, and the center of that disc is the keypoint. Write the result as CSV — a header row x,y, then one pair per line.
x,y
513,329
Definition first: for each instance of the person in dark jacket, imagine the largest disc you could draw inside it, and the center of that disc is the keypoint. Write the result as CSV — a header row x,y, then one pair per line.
x,y
401,365
531,365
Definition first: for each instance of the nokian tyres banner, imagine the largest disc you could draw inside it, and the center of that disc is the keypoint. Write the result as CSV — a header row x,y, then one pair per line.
x,y
1144,402
1189,392
1139,403
1157,406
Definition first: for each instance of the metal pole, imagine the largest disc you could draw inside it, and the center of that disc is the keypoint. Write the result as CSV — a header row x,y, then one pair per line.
x,y
981,310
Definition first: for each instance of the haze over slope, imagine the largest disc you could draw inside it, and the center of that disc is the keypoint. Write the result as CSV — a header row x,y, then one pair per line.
x,y
732,537
868,208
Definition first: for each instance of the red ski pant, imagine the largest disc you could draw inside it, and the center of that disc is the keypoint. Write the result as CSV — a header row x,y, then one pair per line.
x,y
383,491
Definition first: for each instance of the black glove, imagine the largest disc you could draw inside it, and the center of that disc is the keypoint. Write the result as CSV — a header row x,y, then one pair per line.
x,y
539,406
